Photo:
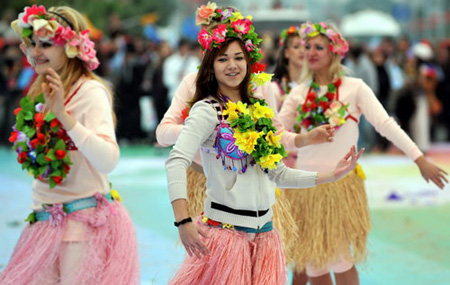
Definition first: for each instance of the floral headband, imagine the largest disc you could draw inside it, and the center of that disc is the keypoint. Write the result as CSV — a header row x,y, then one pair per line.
x,y
292,31
231,25
34,20
338,44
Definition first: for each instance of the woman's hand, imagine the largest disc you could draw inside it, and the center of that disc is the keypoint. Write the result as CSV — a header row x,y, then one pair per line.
x,y
54,99
53,93
190,237
347,163
321,134
431,171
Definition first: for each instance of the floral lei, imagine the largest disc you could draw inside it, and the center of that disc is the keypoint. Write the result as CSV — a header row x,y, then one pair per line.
x,y
338,44
254,132
319,110
39,143
34,20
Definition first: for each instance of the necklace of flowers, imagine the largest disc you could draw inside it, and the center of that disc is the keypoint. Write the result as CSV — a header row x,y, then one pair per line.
x,y
254,132
325,109
38,140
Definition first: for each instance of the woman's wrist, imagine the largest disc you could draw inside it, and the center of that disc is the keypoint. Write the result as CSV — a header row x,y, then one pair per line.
x,y
66,120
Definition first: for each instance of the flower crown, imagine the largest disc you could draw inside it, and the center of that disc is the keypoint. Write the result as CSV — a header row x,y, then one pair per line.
x,y
34,20
292,31
338,44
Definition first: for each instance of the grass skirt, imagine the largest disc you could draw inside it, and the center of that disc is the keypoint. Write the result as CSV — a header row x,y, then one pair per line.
x,y
235,258
111,255
333,221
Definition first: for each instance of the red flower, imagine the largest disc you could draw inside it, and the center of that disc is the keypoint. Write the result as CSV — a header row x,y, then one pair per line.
x,y
213,223
13,137
185,113
307,123
34,143
338,83
39,119
324,105
55,123
66,168
40,137
311,96
47,158
304,108
60,154
313,105
16,111
57,179
22,157
330,96
258,67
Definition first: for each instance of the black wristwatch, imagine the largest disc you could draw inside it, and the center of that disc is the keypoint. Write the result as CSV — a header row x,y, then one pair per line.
x,y
182,222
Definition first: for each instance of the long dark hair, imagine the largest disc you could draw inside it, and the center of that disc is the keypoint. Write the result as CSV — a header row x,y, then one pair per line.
x,y
206,82
281,67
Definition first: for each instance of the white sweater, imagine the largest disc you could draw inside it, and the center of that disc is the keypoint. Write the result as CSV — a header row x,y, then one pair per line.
x,y
233,198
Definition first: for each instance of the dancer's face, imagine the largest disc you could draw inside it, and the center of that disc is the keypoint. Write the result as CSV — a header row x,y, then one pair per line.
x,y
295,52
230,67
45,54
318,54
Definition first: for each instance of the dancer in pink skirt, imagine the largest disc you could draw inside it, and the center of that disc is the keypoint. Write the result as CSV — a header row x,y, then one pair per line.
x,y
234,242
79,232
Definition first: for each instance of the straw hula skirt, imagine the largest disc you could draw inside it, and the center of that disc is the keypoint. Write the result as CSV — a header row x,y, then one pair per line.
x,y
106,250
282,219
333,222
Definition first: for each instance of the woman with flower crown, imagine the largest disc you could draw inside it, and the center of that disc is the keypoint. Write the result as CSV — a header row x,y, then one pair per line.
x,y
167,132
79,233
234,241
333,219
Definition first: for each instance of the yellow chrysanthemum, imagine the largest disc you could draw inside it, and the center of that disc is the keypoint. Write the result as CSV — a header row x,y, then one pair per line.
x,y
360,172
231,111
313,34
242,108
236,16
115,195
259,111
273,140
246,141
261,78
270,161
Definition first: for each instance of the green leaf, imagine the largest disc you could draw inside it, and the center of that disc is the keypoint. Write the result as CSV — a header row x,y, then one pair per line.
x,y
50,116
39,99
41,159
51,154
26,32
42,169
55,164
60,145
28,116
31,218
51,183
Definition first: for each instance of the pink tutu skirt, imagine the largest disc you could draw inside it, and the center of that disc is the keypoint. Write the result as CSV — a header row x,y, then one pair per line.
x,y
235,258
108,250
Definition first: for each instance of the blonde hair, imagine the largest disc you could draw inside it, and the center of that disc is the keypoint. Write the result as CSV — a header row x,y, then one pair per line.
x,y
336,69
74,69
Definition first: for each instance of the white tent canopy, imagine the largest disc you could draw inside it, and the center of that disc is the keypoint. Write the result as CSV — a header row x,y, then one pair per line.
x,y
370,23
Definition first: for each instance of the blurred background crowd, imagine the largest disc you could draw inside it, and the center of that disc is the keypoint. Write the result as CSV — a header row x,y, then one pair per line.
x,y
399,48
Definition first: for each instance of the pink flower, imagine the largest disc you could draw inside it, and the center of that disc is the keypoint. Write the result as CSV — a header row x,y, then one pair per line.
x,y
241,26
65,35
205,13
249,46
57,214
33,10
205,39
87,52
219,33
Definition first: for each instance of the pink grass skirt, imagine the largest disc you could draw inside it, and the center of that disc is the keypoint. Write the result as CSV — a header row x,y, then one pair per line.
x,y
109,255
235,258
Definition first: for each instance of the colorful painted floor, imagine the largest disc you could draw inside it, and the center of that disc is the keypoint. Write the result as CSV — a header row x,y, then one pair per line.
x,y
409,243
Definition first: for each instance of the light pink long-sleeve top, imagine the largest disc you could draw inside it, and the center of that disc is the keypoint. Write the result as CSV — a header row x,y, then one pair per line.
x,y
353,91
170,126
97,154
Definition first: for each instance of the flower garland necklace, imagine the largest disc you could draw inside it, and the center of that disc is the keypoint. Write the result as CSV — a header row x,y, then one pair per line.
x,y
253,132
40,142
325,109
